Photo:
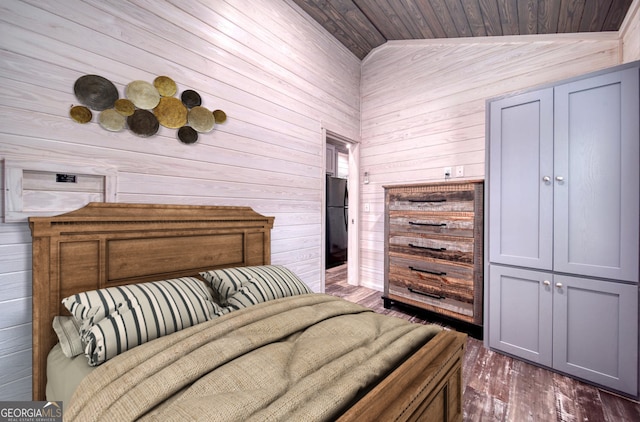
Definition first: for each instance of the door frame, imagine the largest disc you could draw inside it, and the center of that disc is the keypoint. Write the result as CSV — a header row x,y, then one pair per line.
x,y
353,184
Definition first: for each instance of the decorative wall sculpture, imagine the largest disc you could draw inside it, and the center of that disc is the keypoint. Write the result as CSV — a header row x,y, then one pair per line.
x,y
145,108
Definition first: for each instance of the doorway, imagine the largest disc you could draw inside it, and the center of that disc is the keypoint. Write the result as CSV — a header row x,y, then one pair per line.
x,y
340,222
336,205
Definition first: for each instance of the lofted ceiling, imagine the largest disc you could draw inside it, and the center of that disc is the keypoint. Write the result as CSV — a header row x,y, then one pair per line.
x,y
362,25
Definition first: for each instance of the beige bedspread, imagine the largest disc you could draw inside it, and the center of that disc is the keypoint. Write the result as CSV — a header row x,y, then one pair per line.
x,y
301,358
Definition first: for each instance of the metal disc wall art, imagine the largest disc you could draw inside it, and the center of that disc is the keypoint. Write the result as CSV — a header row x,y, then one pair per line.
x,y
201,119
142,94
171,112
124,107
145,108
80,114
95,92
143,123
111,120
220,116
165,86
190,98
187,135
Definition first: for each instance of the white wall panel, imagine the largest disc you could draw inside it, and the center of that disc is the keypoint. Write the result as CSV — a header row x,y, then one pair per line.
x,y
276,73
16,370
630,33
16,338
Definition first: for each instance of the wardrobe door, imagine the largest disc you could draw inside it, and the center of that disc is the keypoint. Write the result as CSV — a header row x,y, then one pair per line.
x,y
596,203
520,180
520,313
595,331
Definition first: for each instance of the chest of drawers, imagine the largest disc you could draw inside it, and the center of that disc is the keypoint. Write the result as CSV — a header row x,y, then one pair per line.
x,y
434,248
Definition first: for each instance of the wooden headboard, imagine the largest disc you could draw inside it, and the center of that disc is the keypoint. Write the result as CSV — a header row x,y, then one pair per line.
x,y
110,244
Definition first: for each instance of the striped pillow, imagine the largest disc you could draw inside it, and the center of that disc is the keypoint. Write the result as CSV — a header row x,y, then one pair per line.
x,y
161,307
128,328
92,306
243,286
227,281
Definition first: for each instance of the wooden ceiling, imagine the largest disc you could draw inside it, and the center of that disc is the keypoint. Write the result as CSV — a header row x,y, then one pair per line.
x,y
362,25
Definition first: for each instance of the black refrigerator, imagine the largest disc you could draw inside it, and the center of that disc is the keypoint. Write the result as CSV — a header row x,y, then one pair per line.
x,y
337,221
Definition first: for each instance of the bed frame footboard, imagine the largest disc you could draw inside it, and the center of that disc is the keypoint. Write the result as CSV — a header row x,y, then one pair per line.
x,y
426,387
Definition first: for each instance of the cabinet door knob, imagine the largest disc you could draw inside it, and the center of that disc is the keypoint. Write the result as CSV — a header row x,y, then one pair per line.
x,y
546,179
559,178
546,283
559,285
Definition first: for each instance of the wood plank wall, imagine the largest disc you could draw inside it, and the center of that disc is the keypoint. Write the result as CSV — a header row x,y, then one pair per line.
x,y
630,33
275,72
423,108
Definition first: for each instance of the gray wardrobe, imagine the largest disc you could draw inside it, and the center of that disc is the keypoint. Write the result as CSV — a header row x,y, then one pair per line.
x,y
562,227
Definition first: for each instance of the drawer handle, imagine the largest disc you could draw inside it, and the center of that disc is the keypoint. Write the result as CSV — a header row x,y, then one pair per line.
x,y
427,271
411,245
428,200
412,290
413,223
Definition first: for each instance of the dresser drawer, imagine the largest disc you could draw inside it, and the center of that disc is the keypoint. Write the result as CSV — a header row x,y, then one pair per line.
x,y
432,278
445,288
455,249
450,307
432,200
420,222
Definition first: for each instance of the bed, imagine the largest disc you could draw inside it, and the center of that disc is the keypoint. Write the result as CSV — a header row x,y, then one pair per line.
x,y
105,245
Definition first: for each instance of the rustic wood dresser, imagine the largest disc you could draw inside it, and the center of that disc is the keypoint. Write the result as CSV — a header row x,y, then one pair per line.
x,y
434,248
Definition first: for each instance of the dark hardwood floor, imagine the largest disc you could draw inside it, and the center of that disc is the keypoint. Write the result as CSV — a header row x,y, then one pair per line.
x,y
500,388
